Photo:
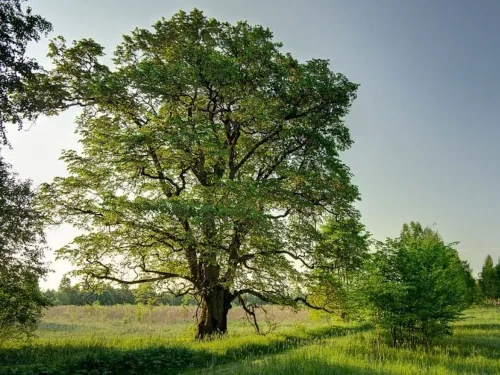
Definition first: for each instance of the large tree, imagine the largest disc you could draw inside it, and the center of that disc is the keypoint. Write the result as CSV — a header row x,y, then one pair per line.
x,y
18,26
209,160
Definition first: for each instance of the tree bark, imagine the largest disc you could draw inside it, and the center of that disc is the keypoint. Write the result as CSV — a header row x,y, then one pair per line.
x,y
215,305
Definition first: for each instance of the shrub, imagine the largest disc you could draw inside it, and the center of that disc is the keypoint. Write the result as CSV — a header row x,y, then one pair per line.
x,y
416,286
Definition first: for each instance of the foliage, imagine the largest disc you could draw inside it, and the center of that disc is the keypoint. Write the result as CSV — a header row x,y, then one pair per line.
x,y
344,248
18,26
489,279
21,225
417,285
209,157
497,271
472,286
21,252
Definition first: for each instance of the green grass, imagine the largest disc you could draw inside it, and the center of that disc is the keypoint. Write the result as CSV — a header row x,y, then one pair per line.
x,y
107,340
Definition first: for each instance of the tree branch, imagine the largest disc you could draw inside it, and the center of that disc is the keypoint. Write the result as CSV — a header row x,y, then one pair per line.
x,y
234,170
247,257
250,311
305,302
131,282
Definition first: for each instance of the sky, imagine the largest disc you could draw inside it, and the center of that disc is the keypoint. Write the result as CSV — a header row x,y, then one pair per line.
x,y
425,123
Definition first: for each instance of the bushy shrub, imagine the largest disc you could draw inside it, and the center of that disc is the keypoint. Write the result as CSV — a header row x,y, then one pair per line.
x,y
416,286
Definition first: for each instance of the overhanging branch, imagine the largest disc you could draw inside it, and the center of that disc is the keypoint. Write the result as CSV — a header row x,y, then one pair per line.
x,y
247,257
131,282
292,300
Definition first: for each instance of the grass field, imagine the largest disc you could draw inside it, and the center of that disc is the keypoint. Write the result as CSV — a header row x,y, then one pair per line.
x,y
159,340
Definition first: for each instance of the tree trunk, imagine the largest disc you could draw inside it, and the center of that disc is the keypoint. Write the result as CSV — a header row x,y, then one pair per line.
x,y
394,334
215,305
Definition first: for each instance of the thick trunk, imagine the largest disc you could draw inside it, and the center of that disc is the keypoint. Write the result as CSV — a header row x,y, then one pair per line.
x,y
214,306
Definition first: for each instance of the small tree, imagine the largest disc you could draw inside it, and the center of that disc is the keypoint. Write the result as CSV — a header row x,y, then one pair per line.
x,y
21,251
489,280
497,279
69,294
470,282
417,285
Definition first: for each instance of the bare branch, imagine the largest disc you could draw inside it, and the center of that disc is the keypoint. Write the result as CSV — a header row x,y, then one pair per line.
x,y
297,299
250,311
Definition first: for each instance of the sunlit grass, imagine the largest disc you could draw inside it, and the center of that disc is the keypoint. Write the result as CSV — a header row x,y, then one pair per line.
x,y
78,341
473,349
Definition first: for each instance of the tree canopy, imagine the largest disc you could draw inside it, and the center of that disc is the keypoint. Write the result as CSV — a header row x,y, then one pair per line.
x,y
18,26
210,159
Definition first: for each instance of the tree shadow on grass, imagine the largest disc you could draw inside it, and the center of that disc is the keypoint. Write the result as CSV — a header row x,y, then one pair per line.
x,y
101,360
478,326
474,340
276,346
459,355
52,359
461,364
335,331
310,366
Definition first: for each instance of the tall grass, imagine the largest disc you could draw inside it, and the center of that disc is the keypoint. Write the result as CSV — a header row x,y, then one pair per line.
x,y
159,340
473,349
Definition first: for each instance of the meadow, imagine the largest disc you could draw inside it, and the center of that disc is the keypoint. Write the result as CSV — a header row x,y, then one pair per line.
x,y
159,340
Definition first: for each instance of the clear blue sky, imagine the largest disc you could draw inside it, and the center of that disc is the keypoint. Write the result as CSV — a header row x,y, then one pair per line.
x,y
425,122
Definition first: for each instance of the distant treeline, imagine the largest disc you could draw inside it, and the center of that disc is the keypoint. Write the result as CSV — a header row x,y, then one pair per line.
x,y
68,294
76,295
489,280
485,289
